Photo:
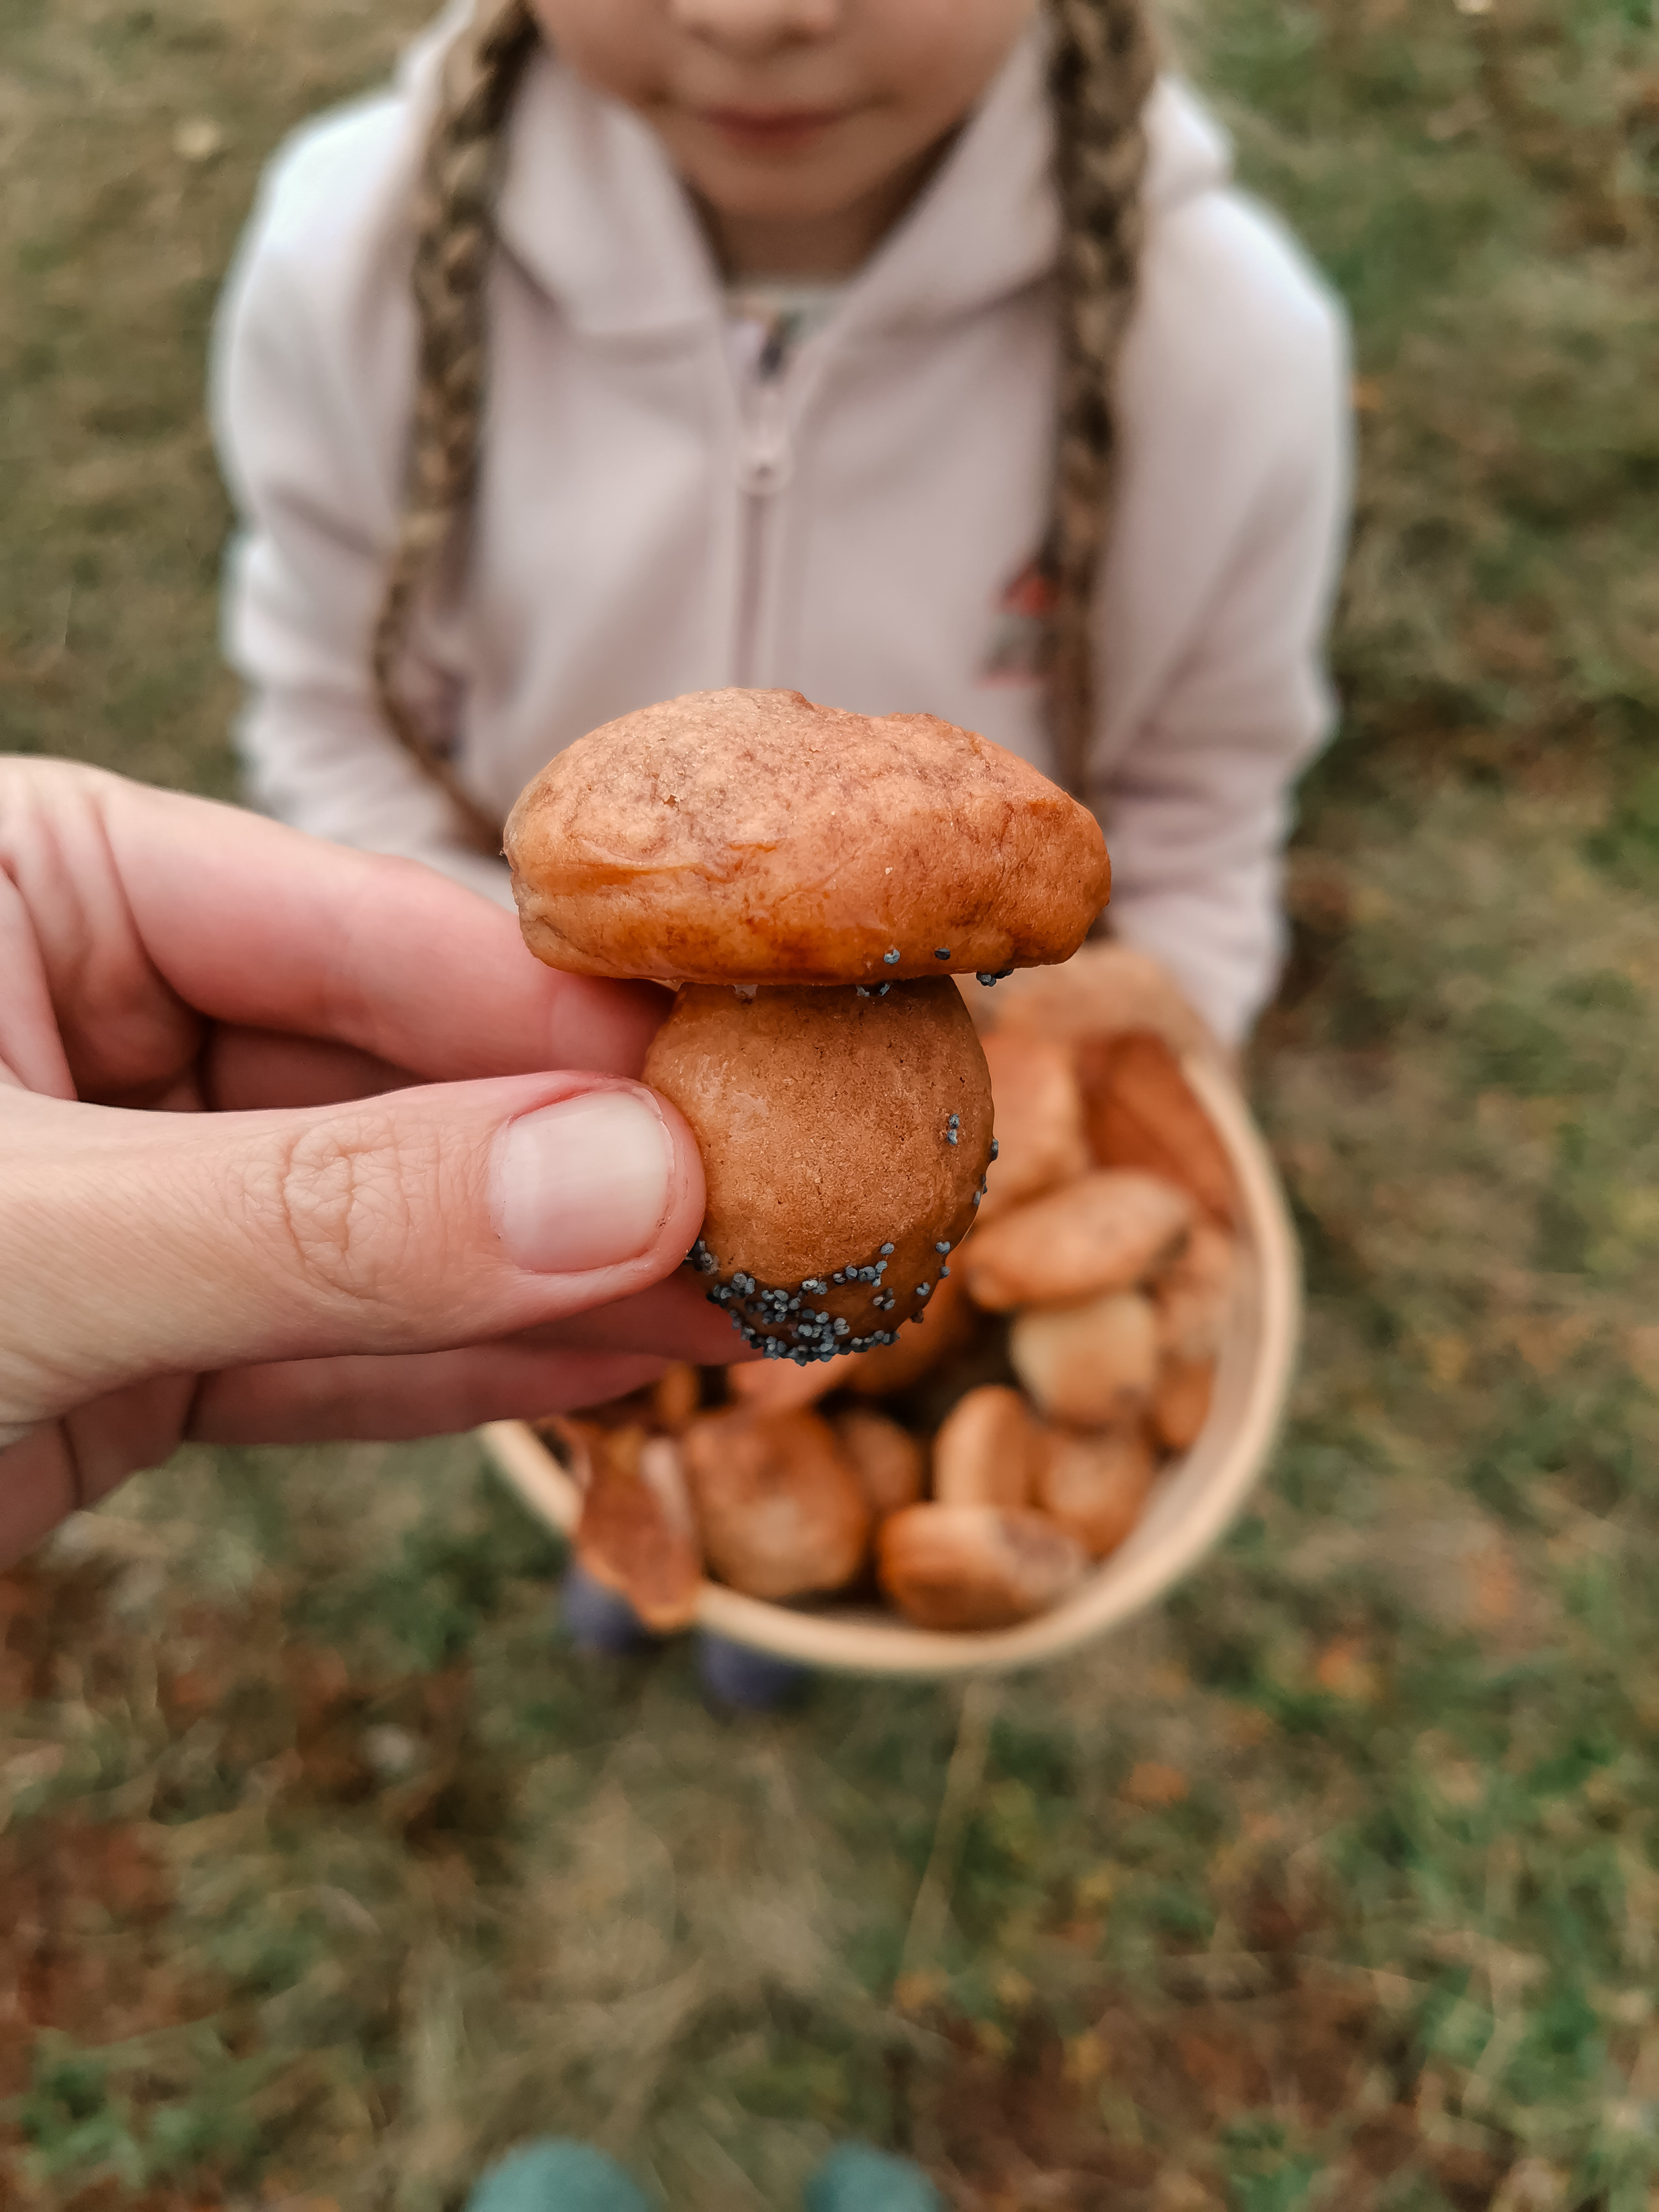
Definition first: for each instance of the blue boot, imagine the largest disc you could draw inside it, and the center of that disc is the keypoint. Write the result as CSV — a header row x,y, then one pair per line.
x,y
856,2179
596,1618
736,1678
557,2177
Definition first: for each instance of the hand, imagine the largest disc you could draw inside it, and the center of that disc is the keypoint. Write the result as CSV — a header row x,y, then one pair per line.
x,y
292,1147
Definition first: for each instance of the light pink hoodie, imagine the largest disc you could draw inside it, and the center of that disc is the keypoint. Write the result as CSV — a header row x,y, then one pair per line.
x,y
649,522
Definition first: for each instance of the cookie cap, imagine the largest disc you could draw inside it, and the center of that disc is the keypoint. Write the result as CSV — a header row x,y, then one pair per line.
x,y
752,837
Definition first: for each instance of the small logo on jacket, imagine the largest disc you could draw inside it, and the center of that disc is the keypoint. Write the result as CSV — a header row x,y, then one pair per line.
x,y
1018,650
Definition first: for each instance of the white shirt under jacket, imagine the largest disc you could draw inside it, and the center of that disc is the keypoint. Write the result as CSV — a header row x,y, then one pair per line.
x,y
650,521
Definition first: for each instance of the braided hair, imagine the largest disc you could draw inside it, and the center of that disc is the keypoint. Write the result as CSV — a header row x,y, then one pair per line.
x,y
454,231
1102,65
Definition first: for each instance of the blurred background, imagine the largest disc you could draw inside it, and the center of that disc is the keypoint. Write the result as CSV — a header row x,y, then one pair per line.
x,y
325,1870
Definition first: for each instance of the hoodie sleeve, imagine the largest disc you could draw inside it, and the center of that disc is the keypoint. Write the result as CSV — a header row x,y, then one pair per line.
x,y
310,389
1199,805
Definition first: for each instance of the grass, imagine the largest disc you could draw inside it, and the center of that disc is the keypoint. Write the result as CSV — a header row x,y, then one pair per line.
x,y
329,1871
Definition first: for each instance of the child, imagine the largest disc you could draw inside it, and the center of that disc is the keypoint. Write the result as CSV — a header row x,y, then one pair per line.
x,y
912,353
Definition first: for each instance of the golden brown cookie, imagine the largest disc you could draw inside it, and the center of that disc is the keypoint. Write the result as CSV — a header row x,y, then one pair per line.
x,y
988,1449
1095,1484
636,1535
891,1463
1103,991
1193,1295
1181,1401
1141,1112
1092,1364
1106,1231
781,1512
976,1567
844,1144
752,837
1039,1109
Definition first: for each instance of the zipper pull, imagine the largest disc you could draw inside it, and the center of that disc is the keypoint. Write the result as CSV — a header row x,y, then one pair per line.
x,y
766,459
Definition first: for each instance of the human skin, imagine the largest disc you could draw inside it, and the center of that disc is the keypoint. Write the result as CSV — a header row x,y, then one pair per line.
x,y
802,128
298,1143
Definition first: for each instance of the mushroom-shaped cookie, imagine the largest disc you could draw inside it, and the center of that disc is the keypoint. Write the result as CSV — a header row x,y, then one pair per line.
x,y
812,879
1039,1109
1095,1485
1106,1231
889,1463
1193,1296
1141,1112
1181,1401
782,1510
988,1451
844,1145
636,1535
1106,991
976,1567
1092,1364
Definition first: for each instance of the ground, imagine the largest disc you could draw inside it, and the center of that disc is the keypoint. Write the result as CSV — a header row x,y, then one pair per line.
x,y
328,1871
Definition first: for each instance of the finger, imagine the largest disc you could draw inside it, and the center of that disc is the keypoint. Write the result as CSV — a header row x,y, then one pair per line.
x,y
151,910
383,954
65,1465
580,1361
38,1489
675,1317
62,1467
243,1070
138,1244
31,1051
430,1394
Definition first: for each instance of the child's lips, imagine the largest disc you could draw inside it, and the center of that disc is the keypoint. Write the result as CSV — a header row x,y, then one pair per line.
x,y
772,130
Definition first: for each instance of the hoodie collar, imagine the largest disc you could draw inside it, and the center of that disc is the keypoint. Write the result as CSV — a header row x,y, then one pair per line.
x,y
592,210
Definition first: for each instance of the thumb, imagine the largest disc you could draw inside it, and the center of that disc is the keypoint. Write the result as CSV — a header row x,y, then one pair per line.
x,y
134,1244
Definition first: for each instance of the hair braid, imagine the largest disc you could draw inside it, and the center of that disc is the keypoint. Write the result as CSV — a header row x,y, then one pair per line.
x,y
454,231
1103,65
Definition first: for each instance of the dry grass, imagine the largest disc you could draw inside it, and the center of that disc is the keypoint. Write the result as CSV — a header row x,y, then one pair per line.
x,y
329,1870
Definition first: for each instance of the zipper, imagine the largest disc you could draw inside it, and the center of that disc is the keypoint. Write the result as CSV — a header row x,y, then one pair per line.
x,y
765,463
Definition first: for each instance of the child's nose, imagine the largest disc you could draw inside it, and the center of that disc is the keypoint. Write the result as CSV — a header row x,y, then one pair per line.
x,y
757,28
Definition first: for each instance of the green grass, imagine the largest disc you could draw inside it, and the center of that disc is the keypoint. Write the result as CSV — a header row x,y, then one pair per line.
x,y
328,1871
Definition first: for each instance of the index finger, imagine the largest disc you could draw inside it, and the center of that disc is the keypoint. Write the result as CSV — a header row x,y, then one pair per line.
x,y
242,921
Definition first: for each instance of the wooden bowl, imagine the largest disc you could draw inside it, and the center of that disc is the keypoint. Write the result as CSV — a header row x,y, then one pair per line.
x,y
1194,1500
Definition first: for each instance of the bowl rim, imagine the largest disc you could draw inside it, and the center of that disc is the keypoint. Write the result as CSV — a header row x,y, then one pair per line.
x,y
869,1643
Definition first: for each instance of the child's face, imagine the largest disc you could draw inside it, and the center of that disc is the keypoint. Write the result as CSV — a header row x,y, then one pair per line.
x,y
802,126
